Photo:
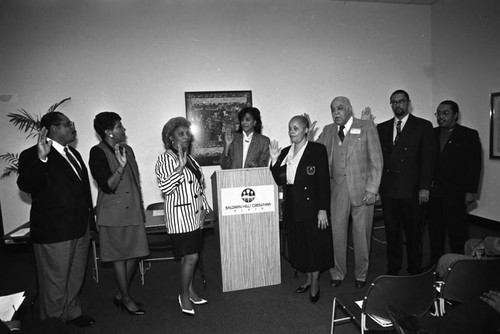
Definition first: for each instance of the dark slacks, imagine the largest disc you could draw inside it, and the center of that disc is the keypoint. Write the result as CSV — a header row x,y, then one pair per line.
x,y
61,271
403,215
447,214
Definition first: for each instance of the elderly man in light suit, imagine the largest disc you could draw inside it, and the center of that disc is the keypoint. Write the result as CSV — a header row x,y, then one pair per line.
x,y
356,162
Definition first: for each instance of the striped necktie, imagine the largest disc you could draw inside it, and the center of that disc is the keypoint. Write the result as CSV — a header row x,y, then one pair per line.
x,y
74,163
398,132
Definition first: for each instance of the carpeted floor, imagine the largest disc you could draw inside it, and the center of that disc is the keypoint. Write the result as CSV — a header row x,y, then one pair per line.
x,y
273,309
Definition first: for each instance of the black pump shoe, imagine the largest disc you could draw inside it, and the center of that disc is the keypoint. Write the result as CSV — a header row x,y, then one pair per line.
x,y
314,299
302,288
118,303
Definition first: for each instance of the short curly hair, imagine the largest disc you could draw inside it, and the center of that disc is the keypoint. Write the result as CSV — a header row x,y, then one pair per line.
x,y
169,128
105,120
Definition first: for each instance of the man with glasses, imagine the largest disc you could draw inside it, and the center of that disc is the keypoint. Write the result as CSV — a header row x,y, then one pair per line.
x,y
456,180
54,174
408,148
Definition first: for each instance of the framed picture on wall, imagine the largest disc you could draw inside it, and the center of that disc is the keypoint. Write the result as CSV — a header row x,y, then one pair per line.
x,y
495,126
212,114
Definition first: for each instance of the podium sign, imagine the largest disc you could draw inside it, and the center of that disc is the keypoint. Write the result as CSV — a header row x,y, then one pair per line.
x,y
246,204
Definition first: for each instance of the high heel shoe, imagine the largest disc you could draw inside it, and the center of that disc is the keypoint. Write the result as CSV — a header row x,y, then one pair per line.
x,y
185,311
199,302
302,288
314,299
119,303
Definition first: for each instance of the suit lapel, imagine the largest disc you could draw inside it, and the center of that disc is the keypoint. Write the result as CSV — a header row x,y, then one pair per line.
x,y
252,148
238,152
65,166
351,138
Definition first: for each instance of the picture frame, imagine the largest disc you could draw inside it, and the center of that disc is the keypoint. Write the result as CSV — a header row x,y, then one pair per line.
x,y
212,114
495,126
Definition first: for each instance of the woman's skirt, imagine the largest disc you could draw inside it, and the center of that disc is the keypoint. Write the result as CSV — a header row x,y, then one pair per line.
x,y
118,243
187,243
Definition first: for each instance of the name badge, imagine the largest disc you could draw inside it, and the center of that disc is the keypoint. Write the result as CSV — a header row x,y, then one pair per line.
x,y
356,131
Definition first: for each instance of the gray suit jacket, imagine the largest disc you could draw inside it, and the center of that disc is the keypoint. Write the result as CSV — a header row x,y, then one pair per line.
x,y
364,160
257,155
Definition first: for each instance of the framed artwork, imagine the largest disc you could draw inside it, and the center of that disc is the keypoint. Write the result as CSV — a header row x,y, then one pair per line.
x,y
212,114
495,126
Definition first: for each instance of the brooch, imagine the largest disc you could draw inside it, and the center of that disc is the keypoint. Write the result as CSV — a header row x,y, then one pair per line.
x,y
311,170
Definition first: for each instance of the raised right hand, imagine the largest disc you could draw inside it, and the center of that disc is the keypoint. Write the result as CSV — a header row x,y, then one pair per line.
x,y
274,150
228,137
44,144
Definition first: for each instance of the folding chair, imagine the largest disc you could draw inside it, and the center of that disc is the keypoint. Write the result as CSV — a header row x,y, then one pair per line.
x,y
158,238
160,241
466,280
94,241
411,294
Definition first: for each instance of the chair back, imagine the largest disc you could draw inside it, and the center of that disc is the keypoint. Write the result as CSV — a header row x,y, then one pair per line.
x,y
413,294
467,279
155,214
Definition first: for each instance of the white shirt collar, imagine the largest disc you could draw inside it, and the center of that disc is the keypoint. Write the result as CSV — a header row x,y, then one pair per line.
x,y
347,126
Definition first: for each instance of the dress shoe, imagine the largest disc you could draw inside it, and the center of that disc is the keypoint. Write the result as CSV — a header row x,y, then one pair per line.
x,y
82,321
198,302
404,323
302,289
360,284
315,298
117,302
335,282
185,311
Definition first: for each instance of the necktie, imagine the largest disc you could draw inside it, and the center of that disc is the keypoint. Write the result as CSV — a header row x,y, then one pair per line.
x,y
398,131
341,133
74,163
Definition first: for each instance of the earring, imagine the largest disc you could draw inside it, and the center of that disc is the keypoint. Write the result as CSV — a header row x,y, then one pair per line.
x,y
110,136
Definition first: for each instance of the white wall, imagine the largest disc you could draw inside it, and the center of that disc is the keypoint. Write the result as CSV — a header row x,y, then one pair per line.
x,y
466,61
138,58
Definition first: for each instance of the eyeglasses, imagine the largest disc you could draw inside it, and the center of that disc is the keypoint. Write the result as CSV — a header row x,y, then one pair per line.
x,y
442,113
68,124
401,102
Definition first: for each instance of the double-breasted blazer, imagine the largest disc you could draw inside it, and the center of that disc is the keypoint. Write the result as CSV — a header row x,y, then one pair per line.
x,y
458,165
61,207
409,163
363,161
184,194
311,187
257,155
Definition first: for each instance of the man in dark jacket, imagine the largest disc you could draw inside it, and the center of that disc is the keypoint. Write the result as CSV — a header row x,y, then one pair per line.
x,y
456,180
55,176
408,148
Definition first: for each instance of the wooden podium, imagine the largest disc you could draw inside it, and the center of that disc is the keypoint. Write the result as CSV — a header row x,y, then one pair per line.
x,y
246,203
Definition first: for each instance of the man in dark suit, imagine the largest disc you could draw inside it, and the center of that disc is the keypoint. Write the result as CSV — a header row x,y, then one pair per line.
x,y
55,176
408,148
456,180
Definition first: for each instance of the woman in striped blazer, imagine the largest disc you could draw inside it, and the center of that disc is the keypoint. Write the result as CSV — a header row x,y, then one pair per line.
x,y
180,179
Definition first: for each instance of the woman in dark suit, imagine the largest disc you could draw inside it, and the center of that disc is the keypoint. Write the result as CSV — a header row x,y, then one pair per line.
x,y
180,179
302,170
246,148
119,210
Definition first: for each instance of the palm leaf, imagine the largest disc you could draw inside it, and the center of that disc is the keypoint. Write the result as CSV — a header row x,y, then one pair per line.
x,y
13,163
55,105
24,121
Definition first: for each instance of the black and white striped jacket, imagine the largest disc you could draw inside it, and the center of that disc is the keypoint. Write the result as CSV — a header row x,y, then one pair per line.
x,y
183,193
